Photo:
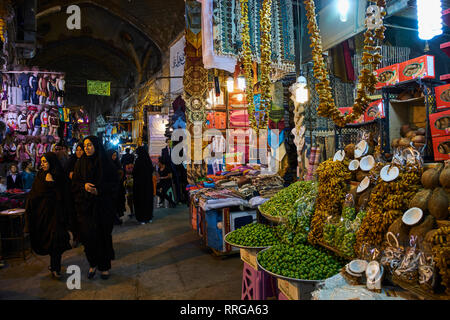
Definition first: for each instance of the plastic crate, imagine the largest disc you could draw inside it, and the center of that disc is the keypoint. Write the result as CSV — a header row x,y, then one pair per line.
x,y
257,285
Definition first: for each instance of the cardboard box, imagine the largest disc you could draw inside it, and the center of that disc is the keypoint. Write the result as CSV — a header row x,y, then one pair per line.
x,y
348,110
440,124
387,76
441,148
296,290
421,67
442,94
249,257
374,111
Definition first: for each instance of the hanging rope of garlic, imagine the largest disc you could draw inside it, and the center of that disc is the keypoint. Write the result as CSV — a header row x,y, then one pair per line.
x,y
370,61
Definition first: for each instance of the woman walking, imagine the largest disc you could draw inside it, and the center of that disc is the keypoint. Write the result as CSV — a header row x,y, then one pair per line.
x,y
165,183
143,187
79,152
94,186
120,199
45,209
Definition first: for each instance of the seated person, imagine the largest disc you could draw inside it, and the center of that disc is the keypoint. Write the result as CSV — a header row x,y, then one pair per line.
x,y
14,179
165,182
28,175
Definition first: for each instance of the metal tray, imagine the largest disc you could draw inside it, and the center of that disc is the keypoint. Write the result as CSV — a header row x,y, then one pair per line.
x,y
272,218
283,277
241,247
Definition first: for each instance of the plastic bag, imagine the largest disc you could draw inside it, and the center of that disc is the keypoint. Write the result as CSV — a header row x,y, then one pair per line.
x,y
392,254
408,270
426,270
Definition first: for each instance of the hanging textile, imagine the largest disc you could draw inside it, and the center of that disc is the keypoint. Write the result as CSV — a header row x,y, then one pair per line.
x,y
227,31
211,59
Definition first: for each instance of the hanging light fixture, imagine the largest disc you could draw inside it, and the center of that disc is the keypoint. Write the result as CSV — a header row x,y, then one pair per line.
x,y
301,92
429,15
241,83
343,7
230,84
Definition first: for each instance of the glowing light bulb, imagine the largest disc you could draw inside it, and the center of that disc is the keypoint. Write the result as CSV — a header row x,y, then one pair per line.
x,y
230,84
429,15
343,7
300,91
240,97
241,83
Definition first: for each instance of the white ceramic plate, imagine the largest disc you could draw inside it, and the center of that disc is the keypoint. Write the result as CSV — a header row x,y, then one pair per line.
x,y
358,266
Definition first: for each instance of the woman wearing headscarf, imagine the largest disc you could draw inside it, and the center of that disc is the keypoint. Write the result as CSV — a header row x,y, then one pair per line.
x,y
143,187
120,199
94,186
79,152
47,218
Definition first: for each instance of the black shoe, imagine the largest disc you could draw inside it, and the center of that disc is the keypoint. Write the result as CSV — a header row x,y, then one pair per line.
x,y
105,276
56,275
91,275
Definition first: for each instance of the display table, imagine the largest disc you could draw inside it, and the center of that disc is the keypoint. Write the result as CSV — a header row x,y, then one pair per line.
x,y
14,231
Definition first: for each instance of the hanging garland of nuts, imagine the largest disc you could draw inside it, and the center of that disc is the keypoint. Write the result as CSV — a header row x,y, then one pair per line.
x,y
247,61
333,177
441,255
387,202
266,52
370,60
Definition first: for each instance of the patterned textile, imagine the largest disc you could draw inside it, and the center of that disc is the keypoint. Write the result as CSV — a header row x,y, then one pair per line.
x,y
313,163
227,31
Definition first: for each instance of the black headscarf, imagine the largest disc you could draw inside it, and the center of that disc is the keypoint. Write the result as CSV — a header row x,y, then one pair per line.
x,y
116,162
55,169
96,166
73,158
144,159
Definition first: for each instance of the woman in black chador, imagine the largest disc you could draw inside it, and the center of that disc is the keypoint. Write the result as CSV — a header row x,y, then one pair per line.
x,y
94,187
120,199
48,220
143,186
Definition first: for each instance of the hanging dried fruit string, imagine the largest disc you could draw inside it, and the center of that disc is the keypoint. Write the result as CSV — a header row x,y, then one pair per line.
x,y
370,61
247,61
266,53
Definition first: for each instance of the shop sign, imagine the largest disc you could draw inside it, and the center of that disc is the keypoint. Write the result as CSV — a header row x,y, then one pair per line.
x,y
99,88
177,61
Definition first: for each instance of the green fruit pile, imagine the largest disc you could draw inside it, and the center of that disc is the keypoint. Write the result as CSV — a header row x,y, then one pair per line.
x,y
253,235
286,201
346,246
300,262
329,231
349,213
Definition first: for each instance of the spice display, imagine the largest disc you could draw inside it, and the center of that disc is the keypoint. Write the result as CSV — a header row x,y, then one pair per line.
x,y
387,202
286,201
253,235
370,60
333,177
300,262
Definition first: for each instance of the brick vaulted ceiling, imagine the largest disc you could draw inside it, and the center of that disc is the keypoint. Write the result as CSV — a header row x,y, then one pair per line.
x,y
160,20
122,41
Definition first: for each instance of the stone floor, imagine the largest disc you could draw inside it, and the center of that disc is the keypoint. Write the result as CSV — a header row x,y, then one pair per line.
x,y
162,260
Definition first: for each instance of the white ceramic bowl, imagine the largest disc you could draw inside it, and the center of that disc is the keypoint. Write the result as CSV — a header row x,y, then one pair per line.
x,y
339,155
353,165
367,163
363,185
358,266
412,216
389,173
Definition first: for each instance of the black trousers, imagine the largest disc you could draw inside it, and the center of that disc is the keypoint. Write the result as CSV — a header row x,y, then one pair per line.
x,y
161,192
55,262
